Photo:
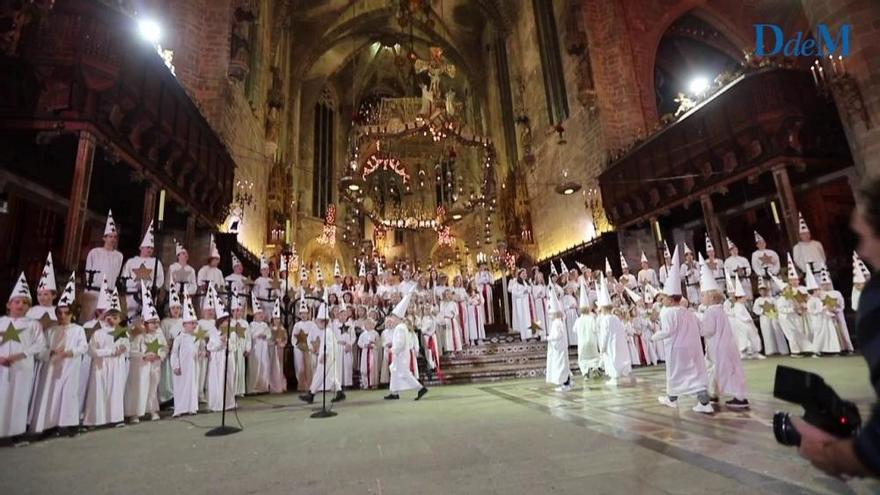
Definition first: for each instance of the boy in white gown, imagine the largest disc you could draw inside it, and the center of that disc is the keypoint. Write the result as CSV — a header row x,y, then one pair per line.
x,y
170,328
765,308
521,312
44,310
277,380
369,344
259,335
221,360
558,369
326,348
402,377
239,325
385,341
147,350
834,302
683,349
185,363
589,359
108,349
725,372
821,319
56,398
791,305
613,341
744,326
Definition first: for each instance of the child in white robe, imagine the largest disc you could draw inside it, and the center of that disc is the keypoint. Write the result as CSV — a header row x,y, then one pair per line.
x,y
558,368
589,359
368,343
474,318
184,360
726,376
56,398
744,327
428,326
345,339
449,320
277,380
108,348
768,318
570,309
299,339
218,362
207,326
239,325
171,328
258,357
822,321
147,350
326,377
384,372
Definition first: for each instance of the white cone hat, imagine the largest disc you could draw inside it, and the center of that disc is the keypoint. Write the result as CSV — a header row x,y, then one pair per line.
x,y
583,296
209,301
802,224
707,280
264,263
672,286
236,300
212,249
582,267
623,264
115,303
728,282
780,285
110,225
276,309
758,238
858,276
337,272
148,309
319,275
811,281
562,266
687,250
644,258
148,240
21,288
68,296
730,244
553,269
178,248
603,298
709,246
174,297
189,312
235,260
825,277
666,252
792,271
400,309
739,290
303,305
104,295
255,303
221,310
608,266
47,278
362,271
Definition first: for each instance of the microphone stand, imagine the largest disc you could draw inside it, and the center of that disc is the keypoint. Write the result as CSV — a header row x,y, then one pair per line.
x,y
223,429
324,412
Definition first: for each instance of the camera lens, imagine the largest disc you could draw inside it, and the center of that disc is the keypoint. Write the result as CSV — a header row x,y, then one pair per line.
x,y
784,430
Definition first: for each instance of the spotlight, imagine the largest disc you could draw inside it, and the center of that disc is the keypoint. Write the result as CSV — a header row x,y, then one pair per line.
x,y
150,30
698,85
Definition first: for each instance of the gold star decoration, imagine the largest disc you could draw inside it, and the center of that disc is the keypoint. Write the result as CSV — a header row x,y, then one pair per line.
x,y
769,309
535,326
830,303
301,338
11,334
275,283
801,297
119,333
279,335
201,334
143,273
766,259
239,330
154,347
46,321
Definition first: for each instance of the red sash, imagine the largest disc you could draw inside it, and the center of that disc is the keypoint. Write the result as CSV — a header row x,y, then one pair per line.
x,y
641,350
432,346
462,319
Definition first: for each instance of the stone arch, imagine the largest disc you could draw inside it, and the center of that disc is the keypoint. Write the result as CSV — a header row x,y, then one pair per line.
x,y
323,254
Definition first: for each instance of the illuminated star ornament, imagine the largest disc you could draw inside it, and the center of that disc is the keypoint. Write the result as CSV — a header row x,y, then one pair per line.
x,y
143,273
154,347
11,334
239,330
830,303
769,309
200,334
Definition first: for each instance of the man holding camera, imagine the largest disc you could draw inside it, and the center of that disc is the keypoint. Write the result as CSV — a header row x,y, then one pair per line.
x,y
859,455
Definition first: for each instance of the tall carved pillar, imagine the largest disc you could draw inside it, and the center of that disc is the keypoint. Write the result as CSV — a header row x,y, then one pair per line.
x,y
149,206
79,199
786,201
190,235
712,228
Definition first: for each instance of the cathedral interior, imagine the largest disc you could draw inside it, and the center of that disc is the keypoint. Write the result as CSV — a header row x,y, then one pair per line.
x,y
439,136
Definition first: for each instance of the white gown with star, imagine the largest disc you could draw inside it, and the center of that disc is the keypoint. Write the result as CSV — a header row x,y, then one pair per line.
x,y
17,381
56,398
105,398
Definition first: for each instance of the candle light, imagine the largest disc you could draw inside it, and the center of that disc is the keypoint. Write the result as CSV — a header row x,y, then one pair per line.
x,y
815,79
842,67
161,206
821,74
833,65
287,231
775,213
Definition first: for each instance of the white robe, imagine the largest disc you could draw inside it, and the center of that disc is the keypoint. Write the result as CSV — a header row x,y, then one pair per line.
x,y
761,268
386,356
808,252
648,276
744,329
208,326
171,328
217,364
277,380
133,285
178,274
333,382
102,263
142,384
738,264
771,333
265,294
452,338
570,310
685,364
258,357
345,339
793,326
401,368
474,318
105,398
521,316
212,274
691,279
558,369
185,357
588,343
56,398
540,295
368,343
842,327
726,376
243,344
485,283
823,324
614,346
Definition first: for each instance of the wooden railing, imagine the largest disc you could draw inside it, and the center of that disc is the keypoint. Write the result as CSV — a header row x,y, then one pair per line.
x,y
763,118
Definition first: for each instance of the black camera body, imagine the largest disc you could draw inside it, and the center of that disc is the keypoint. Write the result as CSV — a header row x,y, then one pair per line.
x,y
823,408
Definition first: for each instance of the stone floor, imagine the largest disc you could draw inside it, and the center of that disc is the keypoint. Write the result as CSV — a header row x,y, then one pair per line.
x,y
506,438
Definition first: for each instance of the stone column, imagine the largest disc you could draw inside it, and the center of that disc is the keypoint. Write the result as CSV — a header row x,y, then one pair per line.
x,y
79,199
864,18
786,202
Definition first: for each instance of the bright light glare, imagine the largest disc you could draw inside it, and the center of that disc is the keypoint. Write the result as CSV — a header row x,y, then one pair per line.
x,y
698,85
150,30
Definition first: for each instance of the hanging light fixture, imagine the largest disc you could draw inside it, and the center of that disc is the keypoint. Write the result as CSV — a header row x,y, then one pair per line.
x,y
567,187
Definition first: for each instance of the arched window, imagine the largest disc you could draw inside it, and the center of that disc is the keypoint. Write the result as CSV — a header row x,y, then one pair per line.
x,y
690,49
322,176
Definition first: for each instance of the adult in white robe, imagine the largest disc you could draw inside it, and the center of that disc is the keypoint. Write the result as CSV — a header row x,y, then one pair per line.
x,y
103,262
402,376
258,357
448,319
539,295
142,268
521,312
56,397
182,276
690,274
558,369
808,253
327,354
741,266
474,318
570,310
345,339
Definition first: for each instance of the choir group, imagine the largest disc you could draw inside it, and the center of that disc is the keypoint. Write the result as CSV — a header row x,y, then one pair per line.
x,y
123,361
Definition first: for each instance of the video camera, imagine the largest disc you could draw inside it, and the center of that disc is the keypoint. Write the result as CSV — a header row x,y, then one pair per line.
x,y
823,408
